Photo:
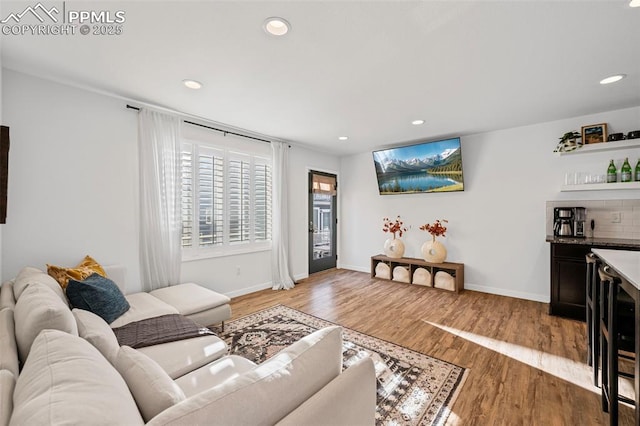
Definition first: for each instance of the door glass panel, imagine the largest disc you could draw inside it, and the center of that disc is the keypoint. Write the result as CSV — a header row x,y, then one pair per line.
x,y
322,226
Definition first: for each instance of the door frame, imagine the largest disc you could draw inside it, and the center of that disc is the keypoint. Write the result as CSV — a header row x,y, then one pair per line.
x,y
320,170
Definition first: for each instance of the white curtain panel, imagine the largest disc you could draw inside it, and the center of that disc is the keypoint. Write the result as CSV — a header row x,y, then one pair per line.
x,y
280,273
160,186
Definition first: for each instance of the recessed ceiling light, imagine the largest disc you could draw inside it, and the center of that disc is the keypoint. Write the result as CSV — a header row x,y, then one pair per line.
x,y
192,84
276,26
343,138
417,122
634,3
612,79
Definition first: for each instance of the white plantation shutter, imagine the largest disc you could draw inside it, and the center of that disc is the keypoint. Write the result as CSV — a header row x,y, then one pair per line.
x,y
226,200
239,184
210,197
187,199
262,200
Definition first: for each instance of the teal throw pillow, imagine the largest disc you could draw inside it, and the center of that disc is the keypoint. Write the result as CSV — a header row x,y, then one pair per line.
x,y
99,295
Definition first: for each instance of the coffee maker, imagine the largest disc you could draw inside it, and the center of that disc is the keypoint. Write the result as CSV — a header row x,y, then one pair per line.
x,y
569,221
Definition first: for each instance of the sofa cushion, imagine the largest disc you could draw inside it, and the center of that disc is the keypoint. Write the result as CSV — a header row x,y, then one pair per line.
x,y
152,388
29,275
7,300
82,270
22,279
190,298
7,385
214,374
8,347
99,295
39,308
142,305
66,381
298,372
183,356
96,331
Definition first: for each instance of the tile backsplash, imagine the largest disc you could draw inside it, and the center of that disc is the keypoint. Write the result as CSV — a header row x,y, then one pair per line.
x,y
602,212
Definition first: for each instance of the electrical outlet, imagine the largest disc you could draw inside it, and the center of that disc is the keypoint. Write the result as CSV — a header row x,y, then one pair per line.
x,y
237,270
616,217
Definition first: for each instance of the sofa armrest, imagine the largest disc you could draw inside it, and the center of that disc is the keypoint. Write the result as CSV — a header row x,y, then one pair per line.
x,y
268,392
349,399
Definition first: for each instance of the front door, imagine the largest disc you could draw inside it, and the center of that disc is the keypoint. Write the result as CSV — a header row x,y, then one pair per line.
x,y
323,191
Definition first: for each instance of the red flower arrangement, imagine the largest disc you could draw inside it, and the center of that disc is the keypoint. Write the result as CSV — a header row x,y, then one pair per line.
x,y
393,227
435,229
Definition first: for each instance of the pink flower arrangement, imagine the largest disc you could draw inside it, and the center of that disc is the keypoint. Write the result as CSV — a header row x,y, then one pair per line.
x,y
394,227
436,229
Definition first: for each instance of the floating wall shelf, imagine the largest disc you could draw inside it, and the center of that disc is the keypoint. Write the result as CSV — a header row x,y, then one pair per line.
x,y
600,186
604,146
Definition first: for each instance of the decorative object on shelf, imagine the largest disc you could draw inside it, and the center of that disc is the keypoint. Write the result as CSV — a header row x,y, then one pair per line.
x,y
383,271
401,274
613,137
626,174
422,277
637,171
634,134
594,133
612,173
394,247
568,142
444,280
434,251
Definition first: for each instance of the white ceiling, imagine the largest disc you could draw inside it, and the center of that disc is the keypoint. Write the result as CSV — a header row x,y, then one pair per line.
x,y
364,69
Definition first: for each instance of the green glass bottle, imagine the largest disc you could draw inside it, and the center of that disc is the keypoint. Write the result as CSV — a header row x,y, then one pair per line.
x,y
612,173
625,171
637,179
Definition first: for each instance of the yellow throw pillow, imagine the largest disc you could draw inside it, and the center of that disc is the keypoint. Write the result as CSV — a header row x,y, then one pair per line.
x,y
85,268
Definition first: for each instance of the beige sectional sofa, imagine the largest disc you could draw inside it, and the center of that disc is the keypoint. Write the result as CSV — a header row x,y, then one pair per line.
x,y
63,366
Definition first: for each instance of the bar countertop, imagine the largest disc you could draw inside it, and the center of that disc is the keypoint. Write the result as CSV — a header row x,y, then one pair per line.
x,y
624,262
600,242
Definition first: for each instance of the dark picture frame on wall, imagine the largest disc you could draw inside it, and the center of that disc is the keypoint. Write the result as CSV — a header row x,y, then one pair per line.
x,y
594,133
4,171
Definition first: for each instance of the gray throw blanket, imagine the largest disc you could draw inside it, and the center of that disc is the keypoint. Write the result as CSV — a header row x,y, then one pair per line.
x,y
162,329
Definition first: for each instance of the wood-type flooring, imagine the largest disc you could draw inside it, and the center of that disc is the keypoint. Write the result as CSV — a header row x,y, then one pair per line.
x,y
526,367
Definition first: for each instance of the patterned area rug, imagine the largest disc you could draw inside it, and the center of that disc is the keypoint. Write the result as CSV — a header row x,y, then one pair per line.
x,y
413,388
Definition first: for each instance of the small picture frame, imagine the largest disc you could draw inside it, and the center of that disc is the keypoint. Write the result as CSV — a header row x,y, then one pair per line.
x,y
594,133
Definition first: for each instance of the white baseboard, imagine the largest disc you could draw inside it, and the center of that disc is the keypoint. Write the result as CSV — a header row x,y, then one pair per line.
x,y
300,277
506,292
355,268
259,287
247,290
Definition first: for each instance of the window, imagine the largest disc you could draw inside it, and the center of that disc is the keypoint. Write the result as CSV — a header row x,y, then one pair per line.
x,y
226,201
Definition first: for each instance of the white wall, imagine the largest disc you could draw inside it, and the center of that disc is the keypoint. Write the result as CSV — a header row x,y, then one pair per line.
x,y
73,189
73,177
497,225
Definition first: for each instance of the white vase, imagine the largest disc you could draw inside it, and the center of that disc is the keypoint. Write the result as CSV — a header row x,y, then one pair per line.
x,y
394,248
434,251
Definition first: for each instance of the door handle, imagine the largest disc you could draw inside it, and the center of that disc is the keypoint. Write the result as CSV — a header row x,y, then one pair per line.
x,y
311,227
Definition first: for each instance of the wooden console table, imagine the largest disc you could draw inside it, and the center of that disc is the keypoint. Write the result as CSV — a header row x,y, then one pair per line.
x,y
456,270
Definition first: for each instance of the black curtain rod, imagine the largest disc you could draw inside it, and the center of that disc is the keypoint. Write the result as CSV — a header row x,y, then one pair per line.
x,y
226,132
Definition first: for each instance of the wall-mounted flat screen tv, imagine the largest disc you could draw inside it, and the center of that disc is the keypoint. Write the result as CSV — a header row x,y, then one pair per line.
x,y
424,167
